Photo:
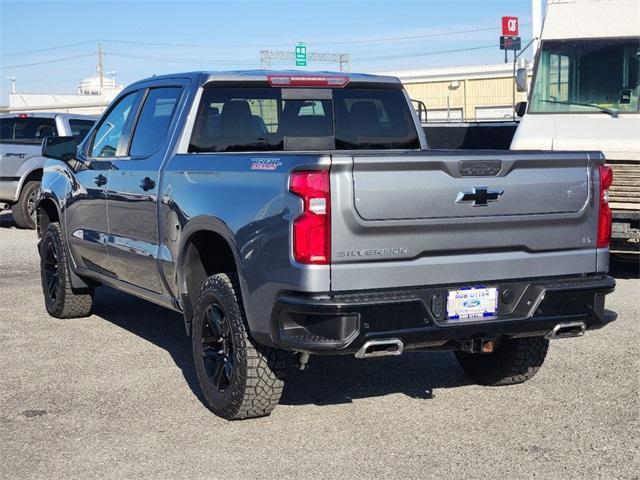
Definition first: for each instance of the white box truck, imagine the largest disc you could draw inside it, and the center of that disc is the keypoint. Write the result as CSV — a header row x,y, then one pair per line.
x,y
585,96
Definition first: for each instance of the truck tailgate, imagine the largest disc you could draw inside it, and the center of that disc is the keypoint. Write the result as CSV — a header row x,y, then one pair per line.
x,y
444,217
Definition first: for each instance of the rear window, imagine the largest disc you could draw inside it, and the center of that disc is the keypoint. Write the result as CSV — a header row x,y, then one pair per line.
x,y
80,128
258,119
27,129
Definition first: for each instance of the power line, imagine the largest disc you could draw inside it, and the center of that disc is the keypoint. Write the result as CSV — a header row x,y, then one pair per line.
x,y
63,59
423,54
221,45
48,49
340,42
412,37
179,60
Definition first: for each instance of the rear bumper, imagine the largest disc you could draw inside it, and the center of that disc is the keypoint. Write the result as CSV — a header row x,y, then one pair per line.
x,y
343,323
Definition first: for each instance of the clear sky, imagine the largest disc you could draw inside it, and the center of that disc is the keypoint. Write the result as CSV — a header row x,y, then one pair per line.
x,y
142,38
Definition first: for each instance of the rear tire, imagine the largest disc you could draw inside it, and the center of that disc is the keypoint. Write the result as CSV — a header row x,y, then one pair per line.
x,y
60,298
24,210
238,378
516,360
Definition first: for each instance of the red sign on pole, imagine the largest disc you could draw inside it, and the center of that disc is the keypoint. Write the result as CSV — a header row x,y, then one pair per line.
x,y
509,26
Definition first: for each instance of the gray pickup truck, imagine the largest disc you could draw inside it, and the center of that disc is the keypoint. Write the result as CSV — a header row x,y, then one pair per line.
x,y
287,214
21,163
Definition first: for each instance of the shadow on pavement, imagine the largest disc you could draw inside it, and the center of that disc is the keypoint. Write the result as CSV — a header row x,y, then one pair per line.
x,y
6,220
328,380
156,324
628,268
341,379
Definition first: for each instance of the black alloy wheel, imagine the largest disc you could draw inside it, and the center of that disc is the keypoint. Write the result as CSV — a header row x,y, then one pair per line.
x,y
51,270
238,378
61,299
217,347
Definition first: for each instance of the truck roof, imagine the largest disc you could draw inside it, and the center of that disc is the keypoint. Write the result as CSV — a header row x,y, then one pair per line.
x,y
205,77
572,19
49,115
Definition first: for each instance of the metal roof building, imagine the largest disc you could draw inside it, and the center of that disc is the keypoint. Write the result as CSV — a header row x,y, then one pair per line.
x,y
475,92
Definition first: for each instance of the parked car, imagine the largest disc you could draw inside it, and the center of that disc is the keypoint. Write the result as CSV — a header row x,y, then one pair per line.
x,y
21,163
288,214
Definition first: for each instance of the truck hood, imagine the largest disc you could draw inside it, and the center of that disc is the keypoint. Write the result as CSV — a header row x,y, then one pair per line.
x,y
618,138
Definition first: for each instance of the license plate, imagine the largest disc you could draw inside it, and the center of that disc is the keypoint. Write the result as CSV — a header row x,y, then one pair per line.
x,y
472,303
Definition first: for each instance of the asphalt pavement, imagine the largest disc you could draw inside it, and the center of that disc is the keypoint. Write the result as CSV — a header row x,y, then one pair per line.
x,y
115,396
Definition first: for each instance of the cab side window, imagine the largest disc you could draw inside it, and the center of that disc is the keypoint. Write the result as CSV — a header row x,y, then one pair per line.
x,y
153,123
108,134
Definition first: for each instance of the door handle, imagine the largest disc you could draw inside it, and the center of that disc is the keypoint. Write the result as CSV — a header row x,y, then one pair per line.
x,y
147,184
100,180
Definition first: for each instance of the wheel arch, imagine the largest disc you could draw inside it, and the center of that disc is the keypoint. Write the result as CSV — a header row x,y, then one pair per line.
x,y
207,247
32,169
48,212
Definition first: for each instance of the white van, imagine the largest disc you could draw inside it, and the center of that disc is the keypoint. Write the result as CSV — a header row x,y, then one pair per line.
x,y
585,96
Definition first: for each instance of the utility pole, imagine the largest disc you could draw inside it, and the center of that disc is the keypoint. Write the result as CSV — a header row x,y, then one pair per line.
x,y
13,84
100,67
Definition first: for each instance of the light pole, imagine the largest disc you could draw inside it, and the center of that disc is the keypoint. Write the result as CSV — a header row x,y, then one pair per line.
x,y
13,84
113,74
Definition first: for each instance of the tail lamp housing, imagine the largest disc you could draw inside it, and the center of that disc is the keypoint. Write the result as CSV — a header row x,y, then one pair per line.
x,y
312,229
605,215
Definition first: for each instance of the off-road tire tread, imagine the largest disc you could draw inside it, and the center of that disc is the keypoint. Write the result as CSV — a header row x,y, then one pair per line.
x,y
70,303
260,370
19,210
516,360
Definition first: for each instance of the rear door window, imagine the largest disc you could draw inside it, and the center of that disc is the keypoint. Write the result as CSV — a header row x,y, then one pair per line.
x,y
258,119
153,123
27,129
80,128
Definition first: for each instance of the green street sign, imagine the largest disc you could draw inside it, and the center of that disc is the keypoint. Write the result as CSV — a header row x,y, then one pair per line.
x,y
301,55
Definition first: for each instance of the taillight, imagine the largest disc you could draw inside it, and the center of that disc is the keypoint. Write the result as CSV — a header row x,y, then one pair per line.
x,y
605,215
312,229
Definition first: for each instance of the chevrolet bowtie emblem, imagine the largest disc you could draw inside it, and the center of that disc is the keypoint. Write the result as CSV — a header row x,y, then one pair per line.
x,y
481,196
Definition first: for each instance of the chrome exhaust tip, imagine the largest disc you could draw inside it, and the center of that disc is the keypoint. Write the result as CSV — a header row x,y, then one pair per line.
x,y
381,348
567,330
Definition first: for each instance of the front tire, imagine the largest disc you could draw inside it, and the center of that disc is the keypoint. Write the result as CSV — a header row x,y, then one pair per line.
x,y
60,298
238,378
516,360
24,210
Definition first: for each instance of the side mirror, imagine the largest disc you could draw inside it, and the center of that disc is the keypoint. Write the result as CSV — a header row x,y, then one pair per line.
x,y
59,148
521,108
521,80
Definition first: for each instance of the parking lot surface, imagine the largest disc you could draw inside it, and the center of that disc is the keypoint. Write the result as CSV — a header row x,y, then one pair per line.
x,y
115,396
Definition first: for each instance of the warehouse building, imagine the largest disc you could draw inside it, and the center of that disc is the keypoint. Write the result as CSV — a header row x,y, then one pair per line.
x,y
477,92
94,94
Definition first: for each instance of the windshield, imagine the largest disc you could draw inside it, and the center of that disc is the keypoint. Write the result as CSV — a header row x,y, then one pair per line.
x,y
586,76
